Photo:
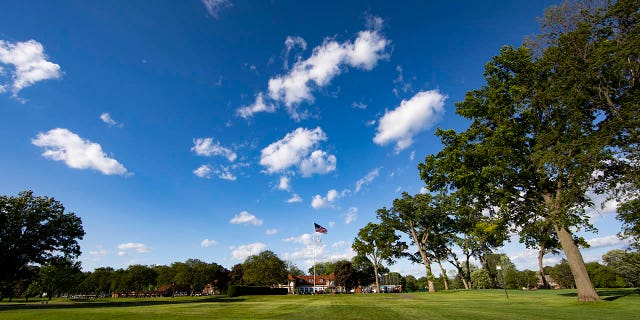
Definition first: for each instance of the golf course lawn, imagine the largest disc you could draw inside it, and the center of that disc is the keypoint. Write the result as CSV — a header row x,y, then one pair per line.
x,y
475,304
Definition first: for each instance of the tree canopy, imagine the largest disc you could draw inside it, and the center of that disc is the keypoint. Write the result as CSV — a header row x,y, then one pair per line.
x,y
264,269
35,229
378,243
550,126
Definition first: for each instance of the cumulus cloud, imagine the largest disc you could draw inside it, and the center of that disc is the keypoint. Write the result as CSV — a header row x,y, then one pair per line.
x,y
325,63
417,114
423,190
29,62
271,232
351,215
318,162
206,147
204,171
63,145
367,179
309,245
246,218
294,198
259,105
133,246
327,201
284,183
214,6
208,243
294,149
244,251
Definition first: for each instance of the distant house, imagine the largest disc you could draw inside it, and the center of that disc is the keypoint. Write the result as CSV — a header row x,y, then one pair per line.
x,y
306,285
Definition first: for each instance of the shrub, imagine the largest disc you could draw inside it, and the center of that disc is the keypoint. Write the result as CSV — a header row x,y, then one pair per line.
x,y
235,291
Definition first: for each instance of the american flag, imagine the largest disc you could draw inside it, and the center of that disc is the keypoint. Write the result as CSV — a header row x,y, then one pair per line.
x,y
320,228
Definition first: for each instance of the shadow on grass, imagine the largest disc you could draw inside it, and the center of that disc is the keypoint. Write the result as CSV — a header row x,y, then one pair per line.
x,y
608,294
114,303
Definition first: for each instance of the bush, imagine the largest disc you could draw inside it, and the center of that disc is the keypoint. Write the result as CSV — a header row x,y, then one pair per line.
x,y
235,291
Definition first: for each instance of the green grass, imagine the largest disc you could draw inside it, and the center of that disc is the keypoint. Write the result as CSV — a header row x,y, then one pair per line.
x,y
476,304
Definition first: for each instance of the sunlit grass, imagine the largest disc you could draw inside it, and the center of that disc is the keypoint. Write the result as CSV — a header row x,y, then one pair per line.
x,y
476,304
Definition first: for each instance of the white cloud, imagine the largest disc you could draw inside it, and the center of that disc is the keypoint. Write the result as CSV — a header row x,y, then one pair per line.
x,y
367,179
63,145
351,215
324,64
246,218
423,190
327,201
309,245
204,171
96,255
339,244
133,246
284,183
318,162
291,43
412,155
303,239
244,251
122,253
106,118
258,106
412,116
292,150
271,232
214,6
607,241
30,64
206,147
223,172
208,243
294,198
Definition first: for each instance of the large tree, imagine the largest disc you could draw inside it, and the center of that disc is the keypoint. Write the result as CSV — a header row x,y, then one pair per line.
x,y
345,275
378,242
549,126
424,223
35,229
264,269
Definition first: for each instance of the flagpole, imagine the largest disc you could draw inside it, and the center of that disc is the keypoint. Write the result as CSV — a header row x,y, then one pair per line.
x,y
314,267
317,230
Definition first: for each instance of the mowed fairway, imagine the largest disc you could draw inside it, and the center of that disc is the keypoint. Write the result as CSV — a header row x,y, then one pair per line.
x,y
477,304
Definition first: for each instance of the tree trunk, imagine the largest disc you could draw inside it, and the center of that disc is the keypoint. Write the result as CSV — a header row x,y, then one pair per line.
x,y
586,292
425,260
466,284
375,272
545,284
444,276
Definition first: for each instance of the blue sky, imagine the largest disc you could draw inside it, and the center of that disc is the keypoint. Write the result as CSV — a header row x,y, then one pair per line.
x,y
216,129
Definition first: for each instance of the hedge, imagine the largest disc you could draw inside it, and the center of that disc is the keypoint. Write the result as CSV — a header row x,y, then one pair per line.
x,y
235,291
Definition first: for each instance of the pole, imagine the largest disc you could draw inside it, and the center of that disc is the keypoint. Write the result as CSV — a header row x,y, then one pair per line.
x,y
314,268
